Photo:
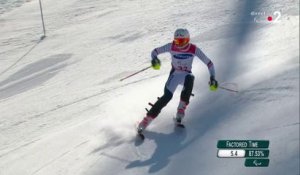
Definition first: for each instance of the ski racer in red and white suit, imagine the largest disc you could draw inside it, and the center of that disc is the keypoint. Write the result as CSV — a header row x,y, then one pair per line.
x,y
182,53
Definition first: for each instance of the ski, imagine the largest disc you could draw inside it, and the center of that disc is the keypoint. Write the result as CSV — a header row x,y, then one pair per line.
x,y
141,136
180,125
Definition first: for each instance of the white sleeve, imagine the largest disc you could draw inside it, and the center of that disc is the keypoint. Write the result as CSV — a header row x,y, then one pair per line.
x,y
162,49
206,61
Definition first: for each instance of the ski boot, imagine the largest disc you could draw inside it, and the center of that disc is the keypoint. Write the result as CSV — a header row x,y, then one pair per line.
x,y
179,116
143,125
180,113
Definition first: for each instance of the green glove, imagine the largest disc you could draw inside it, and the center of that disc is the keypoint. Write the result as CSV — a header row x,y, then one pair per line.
x,y
155,63
213,84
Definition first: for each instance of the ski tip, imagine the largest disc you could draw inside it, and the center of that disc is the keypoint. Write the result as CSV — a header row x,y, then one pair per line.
x,y
141,136
139,139
180,125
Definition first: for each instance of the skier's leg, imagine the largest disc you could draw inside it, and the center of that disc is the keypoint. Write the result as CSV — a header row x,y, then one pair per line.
x,y
155,110
170,87
160,103
187,88
185,96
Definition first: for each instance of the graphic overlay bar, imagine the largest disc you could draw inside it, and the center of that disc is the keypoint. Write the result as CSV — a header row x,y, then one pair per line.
x,y
257,162
257,153
242,144
231,153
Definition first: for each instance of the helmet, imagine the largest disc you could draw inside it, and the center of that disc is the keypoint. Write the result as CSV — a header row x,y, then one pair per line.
x,y
181,37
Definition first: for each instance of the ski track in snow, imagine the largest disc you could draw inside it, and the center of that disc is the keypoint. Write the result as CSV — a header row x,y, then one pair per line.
x,y
64,110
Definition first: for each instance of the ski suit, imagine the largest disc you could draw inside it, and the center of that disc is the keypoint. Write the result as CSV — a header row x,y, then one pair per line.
x,y
182,59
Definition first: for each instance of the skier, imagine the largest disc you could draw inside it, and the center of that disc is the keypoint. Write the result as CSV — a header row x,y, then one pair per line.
x,y
182,52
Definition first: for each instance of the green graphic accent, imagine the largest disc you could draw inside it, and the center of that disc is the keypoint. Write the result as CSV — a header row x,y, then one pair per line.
x,y
243,144
257,162
257,153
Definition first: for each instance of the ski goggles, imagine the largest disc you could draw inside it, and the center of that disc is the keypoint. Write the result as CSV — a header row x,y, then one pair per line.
x,y
181,41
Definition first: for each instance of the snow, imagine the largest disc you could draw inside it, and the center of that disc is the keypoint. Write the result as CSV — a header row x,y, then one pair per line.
x,y
64,110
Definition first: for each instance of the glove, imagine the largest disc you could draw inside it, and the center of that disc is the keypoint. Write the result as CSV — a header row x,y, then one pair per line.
x,y
213,84
155,63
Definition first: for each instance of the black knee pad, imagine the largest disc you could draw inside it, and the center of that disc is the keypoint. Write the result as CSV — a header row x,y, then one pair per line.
x,y
188,88
160,103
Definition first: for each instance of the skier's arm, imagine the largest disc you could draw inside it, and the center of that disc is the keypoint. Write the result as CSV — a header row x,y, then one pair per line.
x,y
159,50
155,61
213,83
206,61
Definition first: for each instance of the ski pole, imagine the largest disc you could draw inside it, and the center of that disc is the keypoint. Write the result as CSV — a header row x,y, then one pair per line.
x,y
231,90
135,73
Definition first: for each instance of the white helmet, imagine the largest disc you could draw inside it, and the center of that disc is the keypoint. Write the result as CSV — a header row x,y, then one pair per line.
x,y
181,37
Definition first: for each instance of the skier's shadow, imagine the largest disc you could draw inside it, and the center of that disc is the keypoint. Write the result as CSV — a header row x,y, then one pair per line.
x,y
167,146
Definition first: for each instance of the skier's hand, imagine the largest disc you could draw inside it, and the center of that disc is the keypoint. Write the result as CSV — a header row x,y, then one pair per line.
x,y
213,84
155,63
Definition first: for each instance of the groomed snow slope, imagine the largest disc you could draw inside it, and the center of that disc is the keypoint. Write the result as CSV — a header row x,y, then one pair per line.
x,y
64,110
